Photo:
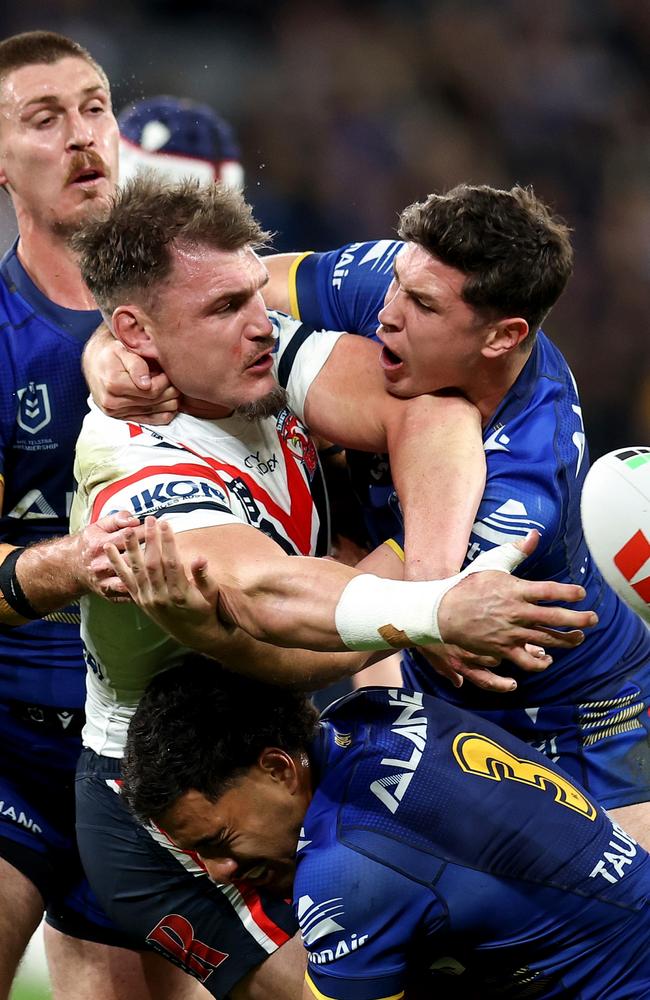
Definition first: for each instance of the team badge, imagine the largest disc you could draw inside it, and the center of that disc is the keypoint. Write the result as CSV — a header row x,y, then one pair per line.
x,y
297,440
34,411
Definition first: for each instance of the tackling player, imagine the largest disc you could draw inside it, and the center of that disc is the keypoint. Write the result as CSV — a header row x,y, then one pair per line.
x,y
426,848
459,303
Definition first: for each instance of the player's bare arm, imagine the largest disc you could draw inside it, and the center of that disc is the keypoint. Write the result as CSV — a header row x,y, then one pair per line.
x,y
435,446
323,605
277,293
44,577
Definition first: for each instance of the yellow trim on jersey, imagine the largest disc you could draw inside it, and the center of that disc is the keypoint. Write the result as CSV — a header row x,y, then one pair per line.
x,y
322,996
294,308
396,547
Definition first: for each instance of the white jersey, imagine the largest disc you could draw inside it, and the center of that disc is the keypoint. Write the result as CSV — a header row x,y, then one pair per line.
x,y
195,473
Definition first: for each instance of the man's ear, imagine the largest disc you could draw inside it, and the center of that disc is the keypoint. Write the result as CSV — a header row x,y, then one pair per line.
x,y
504,336
279,766
132,327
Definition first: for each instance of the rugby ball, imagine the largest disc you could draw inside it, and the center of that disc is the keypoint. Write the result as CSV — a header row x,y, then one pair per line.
x,y
615,507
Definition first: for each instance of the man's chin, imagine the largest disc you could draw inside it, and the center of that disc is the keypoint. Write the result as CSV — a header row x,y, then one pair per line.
x,y
266,406
94,205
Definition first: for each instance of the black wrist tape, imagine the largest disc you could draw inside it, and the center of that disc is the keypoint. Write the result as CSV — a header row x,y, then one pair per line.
x,y
11,589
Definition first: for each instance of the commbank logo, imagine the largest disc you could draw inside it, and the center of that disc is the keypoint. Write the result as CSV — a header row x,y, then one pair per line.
x,y
479,755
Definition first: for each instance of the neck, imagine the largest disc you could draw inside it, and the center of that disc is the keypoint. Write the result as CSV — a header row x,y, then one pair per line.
x,y
491,384
203,408
51,266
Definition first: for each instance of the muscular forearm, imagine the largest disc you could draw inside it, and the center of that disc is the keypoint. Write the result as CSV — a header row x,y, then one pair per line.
x,y
438,467
303,669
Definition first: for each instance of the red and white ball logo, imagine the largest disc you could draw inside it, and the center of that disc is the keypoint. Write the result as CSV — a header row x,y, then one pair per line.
x,y
615,509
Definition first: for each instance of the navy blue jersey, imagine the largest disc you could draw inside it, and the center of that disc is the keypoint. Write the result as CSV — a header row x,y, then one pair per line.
x,y
537,460
437,845
42,405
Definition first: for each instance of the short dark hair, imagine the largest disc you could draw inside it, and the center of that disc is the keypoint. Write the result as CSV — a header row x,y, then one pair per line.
x,y
516,255
199,726
129,251
48,47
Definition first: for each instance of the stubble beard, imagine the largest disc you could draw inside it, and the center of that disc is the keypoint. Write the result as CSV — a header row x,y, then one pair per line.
x,y
267,406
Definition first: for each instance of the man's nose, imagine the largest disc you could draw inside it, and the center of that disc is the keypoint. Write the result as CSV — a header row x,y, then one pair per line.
x,y
259,324
80,132
220,869
390,313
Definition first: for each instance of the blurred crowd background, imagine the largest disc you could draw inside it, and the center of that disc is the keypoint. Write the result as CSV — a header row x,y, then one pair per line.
x,y
348,111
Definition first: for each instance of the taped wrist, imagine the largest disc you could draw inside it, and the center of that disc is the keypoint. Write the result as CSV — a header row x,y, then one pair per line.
x,y
374,613
12,596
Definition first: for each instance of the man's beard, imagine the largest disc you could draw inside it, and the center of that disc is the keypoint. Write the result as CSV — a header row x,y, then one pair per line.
x,y
267,406
92,208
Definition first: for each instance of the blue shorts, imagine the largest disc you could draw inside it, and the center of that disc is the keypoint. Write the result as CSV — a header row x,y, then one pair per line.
x,y
162,898
602,742
38,751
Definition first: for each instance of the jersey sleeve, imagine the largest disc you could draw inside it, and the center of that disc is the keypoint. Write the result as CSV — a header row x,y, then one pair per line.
x,y
358,920
343,289
147,476
300,354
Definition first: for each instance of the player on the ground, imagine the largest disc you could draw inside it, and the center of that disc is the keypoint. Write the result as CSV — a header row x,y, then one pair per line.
x,y
477,858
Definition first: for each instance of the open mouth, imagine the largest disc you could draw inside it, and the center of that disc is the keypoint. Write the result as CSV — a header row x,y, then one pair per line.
x,y
89,175
262,363
389,360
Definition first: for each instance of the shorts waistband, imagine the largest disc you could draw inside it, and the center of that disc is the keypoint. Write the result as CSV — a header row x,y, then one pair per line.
x,y
94,763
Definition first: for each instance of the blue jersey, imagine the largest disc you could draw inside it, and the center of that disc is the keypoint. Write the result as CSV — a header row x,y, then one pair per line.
x,y
438,846
42,405
537,460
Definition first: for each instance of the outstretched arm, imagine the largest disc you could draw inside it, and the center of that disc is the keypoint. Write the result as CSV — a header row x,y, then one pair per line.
x,y
320,604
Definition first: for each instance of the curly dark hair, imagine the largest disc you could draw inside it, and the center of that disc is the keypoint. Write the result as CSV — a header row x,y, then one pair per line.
x,y
199,726
516,255
128,252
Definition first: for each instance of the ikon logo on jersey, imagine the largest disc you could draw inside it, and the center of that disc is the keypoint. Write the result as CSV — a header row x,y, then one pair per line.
x,y
34,410
164,494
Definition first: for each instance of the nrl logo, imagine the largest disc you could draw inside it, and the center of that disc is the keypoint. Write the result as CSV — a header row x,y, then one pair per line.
x,y
34,411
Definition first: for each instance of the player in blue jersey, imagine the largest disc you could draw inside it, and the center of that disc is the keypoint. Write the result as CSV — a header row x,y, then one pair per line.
x,y
427,849
58,162
459,301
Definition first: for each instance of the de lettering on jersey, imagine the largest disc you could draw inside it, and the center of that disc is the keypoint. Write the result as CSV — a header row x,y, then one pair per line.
x,y
391,788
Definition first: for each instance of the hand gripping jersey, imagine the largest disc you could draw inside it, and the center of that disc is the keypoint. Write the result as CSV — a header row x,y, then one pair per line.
x,y
194,473
42,405
439,852
537,459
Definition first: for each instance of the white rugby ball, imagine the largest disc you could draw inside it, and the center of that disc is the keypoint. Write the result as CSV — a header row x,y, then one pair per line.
x,y
615,509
